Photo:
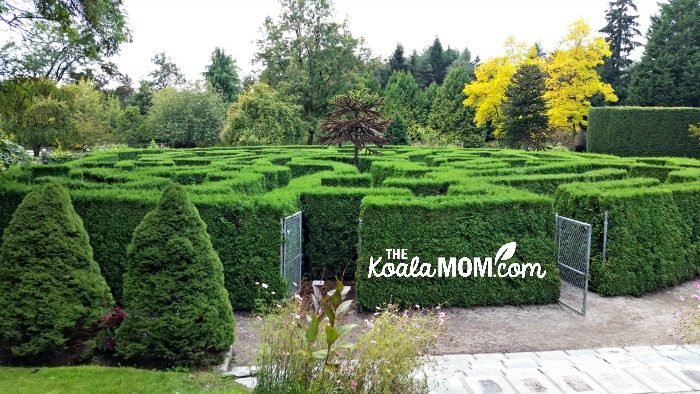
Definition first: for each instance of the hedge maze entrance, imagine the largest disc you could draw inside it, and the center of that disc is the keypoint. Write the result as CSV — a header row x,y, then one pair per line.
x,y
573,240
291,255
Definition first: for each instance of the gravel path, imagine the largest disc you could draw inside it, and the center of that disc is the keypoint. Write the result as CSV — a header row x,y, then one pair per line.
x,y
653,319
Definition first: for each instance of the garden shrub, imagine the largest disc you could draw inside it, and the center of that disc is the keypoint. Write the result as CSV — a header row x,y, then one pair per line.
x,y
459,226
684,175
48,170
647,237
178,311
51,289
642,131
659,172
11,153
419,186
548,183
305,168
383,170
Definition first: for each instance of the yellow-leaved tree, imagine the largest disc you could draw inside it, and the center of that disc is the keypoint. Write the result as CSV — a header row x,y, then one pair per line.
x,y
573,78
487,91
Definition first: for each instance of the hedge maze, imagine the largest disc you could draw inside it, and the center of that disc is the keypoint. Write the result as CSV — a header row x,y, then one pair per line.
x,y
432,202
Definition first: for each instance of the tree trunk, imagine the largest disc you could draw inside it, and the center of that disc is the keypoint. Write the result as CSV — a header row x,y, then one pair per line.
x,y
310,140
356,160
37,148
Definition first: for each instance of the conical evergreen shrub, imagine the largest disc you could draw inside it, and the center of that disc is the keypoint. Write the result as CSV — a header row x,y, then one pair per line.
x,y
178,311
51,289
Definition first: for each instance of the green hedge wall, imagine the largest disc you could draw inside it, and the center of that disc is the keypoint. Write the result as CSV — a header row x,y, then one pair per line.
x,y
648,235
459,226
330,222
642,131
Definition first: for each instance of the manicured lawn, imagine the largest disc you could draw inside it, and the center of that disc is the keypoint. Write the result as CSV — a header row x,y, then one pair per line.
x,y
94,379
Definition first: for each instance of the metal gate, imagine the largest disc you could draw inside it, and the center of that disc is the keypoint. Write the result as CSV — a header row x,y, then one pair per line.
x,y
573,240
290,251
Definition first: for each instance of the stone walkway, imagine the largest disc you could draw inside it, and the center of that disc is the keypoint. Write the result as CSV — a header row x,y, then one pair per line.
x,y
638,369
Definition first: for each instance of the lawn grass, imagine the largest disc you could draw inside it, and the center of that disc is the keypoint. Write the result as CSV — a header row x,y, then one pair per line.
x,y
107,380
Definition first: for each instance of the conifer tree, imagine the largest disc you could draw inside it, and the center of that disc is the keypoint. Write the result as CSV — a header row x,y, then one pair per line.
x,y
51,288
179,313
525,109
620,33
397,61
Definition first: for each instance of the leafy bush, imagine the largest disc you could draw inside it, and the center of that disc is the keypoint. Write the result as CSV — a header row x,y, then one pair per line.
x,y
51,289
178,309
642,131
11,153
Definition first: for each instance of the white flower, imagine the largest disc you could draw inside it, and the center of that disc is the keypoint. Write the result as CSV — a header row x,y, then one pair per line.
x,y
264,285
257,283
272,292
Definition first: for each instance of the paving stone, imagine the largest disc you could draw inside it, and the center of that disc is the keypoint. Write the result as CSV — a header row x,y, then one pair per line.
x,y
581,352
570,380
446,385
489,356
617,381
552,355
514,363
530,381
249,382
592,365
683,356
639,349
521,355
555,363
659,380
666,347
495,364
488,385
465,358
689,375
611,350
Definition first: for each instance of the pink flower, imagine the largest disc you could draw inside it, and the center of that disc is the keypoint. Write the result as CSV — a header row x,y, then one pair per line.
x,y
396,388
353,385
695,297
696,285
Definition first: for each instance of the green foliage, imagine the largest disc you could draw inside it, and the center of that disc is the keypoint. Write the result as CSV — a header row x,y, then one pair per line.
x,y
51,289
648,237
178,309
397,61
143,98
638,131
131,127
262,116
404,98
448,114
430,227
47,122
620,32
396,133
669,71
91,113
11,153
222,74
166,73
526,122
186,118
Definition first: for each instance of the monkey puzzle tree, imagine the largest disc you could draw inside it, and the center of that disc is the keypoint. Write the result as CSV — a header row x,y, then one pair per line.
x,y
357,120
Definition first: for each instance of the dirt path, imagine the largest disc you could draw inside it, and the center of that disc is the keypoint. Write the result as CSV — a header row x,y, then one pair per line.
x,y
653,319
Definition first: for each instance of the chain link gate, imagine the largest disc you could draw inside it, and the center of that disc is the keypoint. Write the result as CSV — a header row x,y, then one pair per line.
x,y
290,251
573,240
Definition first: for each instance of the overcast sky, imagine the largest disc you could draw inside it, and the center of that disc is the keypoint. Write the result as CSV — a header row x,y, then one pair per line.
x,y
189,30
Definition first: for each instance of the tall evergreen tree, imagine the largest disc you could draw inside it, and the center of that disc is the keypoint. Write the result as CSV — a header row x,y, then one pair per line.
x,y
525,109
437,61
222,74
669,71
51,288
396,132
179,312
620,33
449,116
404,97
397,61
413,63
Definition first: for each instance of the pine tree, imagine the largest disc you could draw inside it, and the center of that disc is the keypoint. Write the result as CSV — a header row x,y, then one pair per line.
x,y
51,288
525,109
178,310
404,97
669,71
397,61
620,33
412,64
449,116
437,62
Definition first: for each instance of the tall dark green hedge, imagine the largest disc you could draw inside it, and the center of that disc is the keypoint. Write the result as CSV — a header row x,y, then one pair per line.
x,y
178,311
459,226
51,289
649,236
642,131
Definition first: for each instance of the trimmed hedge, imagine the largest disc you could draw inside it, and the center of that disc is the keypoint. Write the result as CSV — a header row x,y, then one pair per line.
x,y
642,131
459,226
647,246
330,219
348,180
